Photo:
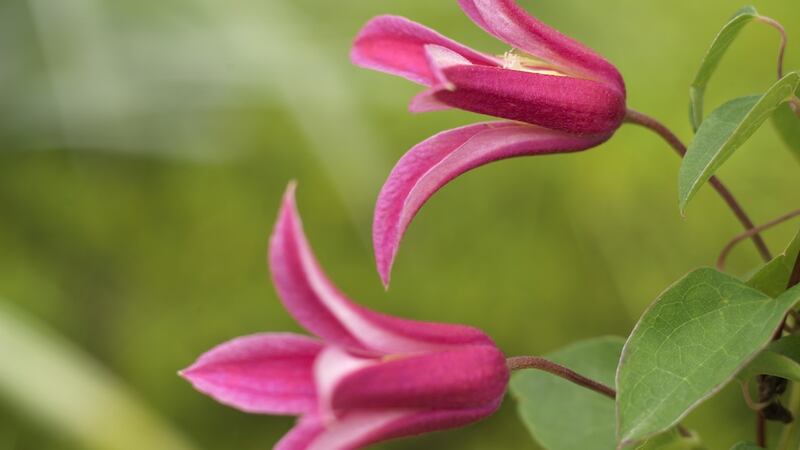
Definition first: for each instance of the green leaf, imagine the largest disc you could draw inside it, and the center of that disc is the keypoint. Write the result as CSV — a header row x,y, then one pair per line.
x,y
773,278
688,344
545,400
788,125
63,387
781,359
672,440
746,446
725,130
711,60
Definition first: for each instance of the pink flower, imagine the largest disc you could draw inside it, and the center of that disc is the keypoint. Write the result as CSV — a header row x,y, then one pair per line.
x,y
370,377
559,96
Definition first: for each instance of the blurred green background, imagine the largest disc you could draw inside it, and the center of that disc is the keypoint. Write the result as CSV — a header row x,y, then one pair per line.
x,y
144,146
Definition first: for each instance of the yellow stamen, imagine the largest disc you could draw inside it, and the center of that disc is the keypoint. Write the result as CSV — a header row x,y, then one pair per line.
x,y
523,62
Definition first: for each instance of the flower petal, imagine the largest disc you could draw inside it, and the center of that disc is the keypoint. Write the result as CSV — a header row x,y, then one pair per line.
x,y
333,365
507,21
319,306
300,437
433,163
396,45
573,105
465,377
269,373
439,58
359,429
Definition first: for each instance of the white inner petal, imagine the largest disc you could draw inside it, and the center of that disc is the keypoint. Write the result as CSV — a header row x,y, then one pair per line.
x,y
523,62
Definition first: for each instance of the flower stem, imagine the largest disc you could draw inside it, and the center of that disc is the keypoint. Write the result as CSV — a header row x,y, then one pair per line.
x,y
538,363
749,233
659,128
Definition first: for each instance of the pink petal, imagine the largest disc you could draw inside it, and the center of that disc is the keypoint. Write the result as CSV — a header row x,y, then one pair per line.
x,y
439,58
319,306
573,105
507,21
396,45
465,377
431,164
429,421
333,365
307,429
358,429
264,373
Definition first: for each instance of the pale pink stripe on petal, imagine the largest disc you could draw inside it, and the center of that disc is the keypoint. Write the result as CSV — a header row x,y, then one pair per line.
x,y
300,437
357,430
396,45
508,22
439,58
423,422
333,365
360,429
464,377
302,287
322,309
433,163
270,373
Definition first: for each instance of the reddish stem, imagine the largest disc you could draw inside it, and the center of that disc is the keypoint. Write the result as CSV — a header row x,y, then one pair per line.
x,y
749,233
654,125
538,363
794,280
761,430
784,39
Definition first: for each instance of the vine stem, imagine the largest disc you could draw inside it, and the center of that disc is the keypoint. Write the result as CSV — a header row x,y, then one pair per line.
x,y
761,423
723,256
789,431
761,430
795,278
538,363
641,119
784,39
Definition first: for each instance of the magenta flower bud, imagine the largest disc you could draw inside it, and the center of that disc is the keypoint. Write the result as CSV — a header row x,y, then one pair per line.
x,y
559,95
368,378
548,79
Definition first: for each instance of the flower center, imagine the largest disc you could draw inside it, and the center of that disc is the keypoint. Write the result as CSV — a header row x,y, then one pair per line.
x,y
523,62
393,357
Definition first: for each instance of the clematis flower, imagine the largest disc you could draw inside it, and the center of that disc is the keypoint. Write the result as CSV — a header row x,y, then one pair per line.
x,y
367,377
556,94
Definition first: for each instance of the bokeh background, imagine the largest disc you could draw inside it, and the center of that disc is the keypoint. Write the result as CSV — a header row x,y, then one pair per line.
x,y
144,146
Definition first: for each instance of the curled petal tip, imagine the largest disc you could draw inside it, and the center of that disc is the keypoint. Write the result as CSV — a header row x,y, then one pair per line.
x,y
396,45
430,165
386,279
289,194
510,23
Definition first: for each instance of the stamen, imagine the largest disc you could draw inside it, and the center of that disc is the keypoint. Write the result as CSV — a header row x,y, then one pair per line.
x,y
523,62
